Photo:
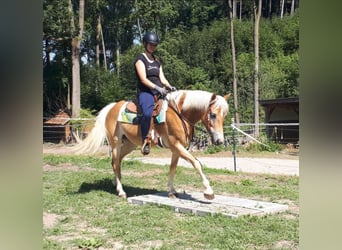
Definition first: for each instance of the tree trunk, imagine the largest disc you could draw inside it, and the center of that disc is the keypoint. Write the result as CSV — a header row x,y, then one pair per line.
x,y
232,42
138,22
75,57
270,9
103,49
98,37
282,8
257,4
234,9
240,9
292,7
118,62
69,96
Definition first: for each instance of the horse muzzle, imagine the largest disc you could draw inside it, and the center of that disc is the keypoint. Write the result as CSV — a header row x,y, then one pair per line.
x,y
217,139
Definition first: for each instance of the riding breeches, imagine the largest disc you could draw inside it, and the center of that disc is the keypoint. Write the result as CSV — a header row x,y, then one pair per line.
x,y
146,102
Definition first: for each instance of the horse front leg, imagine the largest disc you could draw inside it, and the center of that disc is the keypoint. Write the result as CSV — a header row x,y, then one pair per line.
x,y
208,191
171,190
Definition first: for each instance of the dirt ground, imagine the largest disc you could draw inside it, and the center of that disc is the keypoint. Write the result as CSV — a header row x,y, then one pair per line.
x,y
65,149
282,163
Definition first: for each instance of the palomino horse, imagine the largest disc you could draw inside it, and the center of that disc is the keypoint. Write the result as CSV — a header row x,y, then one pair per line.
x,y
185,109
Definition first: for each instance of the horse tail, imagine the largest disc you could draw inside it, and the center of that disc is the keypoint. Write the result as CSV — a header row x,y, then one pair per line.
x,y
97,136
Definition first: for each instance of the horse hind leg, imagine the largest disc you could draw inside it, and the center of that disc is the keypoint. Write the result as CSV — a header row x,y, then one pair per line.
x,y
171,190
116,165
125,149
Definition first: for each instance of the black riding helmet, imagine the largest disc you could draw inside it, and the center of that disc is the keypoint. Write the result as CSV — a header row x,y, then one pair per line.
x,y
151,37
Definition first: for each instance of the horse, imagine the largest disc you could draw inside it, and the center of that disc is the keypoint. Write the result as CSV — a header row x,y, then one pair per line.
x,y
184,109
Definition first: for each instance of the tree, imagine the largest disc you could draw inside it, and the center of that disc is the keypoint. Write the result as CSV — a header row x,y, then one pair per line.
x,y
257,4
99,38
194,47
232,44
75,57
282,2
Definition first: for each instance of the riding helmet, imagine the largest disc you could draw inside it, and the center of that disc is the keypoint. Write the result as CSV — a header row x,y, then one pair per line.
x,y
151,37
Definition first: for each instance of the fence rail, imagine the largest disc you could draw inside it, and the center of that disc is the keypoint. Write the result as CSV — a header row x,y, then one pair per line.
x,y
239,134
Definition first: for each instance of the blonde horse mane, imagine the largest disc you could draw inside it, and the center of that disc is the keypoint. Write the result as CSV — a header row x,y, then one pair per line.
x,y
196,99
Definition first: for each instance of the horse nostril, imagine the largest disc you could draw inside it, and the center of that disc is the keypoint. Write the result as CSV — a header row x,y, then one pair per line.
x,y
217,142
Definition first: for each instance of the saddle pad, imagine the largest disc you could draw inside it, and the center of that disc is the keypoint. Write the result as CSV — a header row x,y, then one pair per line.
x,y
128,117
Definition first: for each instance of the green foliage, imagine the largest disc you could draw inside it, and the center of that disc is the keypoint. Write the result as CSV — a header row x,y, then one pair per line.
x,y
174,68
53,24
90,244
127,78
195,49
267,145
213,149
99,87
55,86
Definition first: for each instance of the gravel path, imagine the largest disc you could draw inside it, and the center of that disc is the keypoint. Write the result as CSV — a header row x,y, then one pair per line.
x,y
243,164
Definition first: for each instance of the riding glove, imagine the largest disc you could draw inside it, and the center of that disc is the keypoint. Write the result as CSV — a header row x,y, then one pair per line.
x,y
162,91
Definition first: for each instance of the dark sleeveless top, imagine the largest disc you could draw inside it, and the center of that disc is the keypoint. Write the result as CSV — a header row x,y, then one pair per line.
x,y
152,73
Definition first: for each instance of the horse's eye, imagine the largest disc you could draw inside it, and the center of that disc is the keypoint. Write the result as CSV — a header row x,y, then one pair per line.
x,y
212,116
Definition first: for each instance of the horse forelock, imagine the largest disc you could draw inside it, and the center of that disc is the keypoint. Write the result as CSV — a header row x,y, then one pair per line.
x,y
222,103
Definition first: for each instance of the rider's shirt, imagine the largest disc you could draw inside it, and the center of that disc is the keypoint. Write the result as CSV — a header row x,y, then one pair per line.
x,y
152,73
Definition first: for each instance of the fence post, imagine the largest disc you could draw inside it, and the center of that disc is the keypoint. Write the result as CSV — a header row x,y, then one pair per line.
x,y
234,148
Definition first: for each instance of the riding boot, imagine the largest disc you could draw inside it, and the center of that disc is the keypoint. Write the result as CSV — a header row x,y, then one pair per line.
x,y
145,148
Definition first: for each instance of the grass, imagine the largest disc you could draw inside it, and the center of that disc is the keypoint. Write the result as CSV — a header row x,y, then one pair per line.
x,y
78,193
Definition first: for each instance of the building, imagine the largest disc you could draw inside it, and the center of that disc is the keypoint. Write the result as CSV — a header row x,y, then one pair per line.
x,y
280,111
57,129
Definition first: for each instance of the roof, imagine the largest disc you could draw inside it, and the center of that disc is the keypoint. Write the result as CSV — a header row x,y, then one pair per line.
x,y
60,119
289,100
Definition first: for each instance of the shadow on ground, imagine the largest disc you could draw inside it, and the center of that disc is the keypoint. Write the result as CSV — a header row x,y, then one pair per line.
x,y
107,186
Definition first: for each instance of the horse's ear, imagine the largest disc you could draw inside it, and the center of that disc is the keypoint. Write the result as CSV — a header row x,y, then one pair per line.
x,y
227,96
213,99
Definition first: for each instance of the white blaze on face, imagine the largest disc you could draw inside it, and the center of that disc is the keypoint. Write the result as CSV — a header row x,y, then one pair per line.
x,y
216,125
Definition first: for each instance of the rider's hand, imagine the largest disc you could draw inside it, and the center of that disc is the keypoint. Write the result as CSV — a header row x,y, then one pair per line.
x,y
172,88
162,91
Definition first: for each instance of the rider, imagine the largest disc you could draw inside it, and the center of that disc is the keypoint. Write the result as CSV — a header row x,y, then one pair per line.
x,y
151,81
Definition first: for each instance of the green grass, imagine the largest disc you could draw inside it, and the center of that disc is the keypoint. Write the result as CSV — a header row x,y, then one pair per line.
x,y
91,215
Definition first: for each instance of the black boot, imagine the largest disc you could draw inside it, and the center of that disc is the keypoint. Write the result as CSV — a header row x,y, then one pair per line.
x,y
145,148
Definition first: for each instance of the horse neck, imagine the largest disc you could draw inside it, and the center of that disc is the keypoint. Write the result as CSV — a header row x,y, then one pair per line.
x,y
192,105
193,115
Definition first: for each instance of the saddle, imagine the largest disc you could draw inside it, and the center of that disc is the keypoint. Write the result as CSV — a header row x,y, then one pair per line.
x,y
134,107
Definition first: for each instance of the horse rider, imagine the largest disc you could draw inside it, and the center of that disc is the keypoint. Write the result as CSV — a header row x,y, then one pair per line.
x,y
151,82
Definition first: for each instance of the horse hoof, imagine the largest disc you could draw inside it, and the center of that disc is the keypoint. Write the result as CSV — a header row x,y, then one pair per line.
x,y
173,195
209,196
123,196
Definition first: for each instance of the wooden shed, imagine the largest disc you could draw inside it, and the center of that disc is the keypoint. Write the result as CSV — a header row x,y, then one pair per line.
x,y
280,111
57,129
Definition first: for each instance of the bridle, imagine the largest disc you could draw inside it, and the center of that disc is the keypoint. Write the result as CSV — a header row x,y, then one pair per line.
x,y
211,116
